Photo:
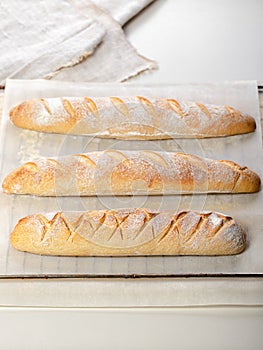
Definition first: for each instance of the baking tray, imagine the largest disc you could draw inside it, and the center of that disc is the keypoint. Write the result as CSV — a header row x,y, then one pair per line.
x,y
18,146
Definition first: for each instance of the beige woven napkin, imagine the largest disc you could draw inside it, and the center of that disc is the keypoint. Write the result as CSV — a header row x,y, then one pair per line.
x,y
115,59
39,37
122,10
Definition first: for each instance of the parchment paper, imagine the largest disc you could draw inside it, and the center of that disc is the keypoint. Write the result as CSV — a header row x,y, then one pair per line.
x,y
19,146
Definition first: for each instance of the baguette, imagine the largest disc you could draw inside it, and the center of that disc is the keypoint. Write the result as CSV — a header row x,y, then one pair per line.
x,y
125,232
115,172
130,118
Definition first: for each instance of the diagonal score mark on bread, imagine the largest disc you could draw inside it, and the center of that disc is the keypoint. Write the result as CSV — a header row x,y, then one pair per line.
x,y
120,106
94,223
240,171
204,109
69,109
146,225
136,173
47,227
176,107
182,221
118,155
45,105
194,234
92,107
156,158
174,226
148,106
231,111
83,158
118,227
225,223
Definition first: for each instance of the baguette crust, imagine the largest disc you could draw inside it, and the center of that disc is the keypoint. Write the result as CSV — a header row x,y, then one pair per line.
x,y
115,172
125,232
133,118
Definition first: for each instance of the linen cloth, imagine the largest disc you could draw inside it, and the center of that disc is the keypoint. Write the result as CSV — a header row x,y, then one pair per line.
x,y
39,37
69,40
114,60
122,10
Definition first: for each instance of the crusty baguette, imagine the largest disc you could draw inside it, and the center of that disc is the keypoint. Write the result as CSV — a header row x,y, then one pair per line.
x,y
133,117
115,172
129,232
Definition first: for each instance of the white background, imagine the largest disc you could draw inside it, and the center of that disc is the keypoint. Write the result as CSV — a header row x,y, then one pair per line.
x,y
200,40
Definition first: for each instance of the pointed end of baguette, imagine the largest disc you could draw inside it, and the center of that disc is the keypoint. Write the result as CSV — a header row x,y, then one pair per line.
x,y
21,180
28,114
249,124
240,123
248,182
19,114
28,233
8,186
235,239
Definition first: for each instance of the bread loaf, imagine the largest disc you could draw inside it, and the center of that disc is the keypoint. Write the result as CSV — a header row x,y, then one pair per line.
x,y
115,172
132,117
125,232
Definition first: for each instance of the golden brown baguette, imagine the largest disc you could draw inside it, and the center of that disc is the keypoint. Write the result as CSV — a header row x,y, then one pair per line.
x,y
129,232
115,172
133,117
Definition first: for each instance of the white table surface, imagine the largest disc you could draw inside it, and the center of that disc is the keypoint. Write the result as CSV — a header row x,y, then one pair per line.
x,y
200,40
199,328
192,40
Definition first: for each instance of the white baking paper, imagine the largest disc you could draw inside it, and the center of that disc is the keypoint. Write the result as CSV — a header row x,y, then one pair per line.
x,y
19,146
